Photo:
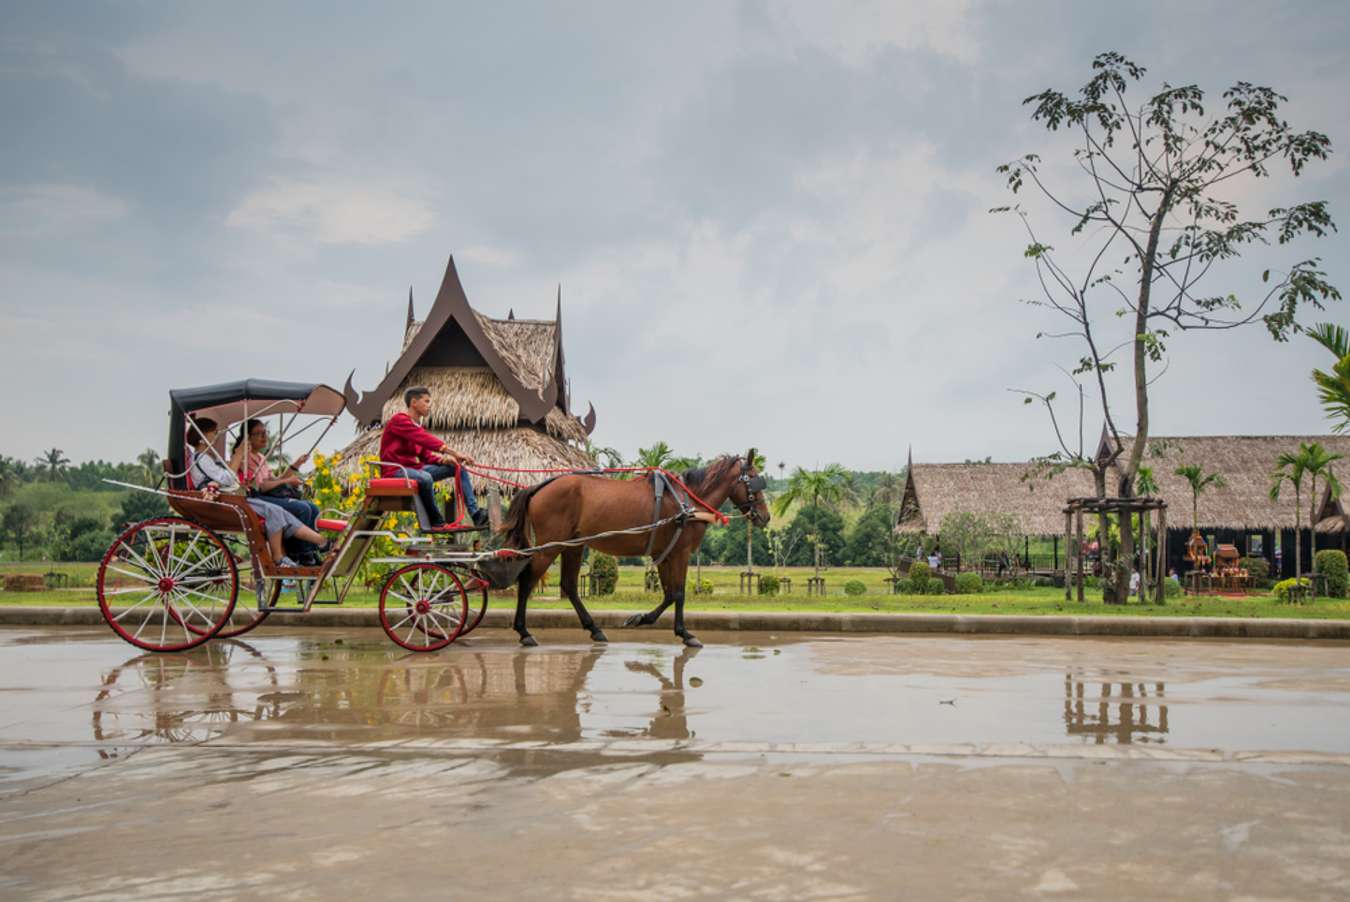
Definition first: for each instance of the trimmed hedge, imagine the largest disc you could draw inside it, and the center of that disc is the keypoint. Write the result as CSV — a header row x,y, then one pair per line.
x,y
969,584
1331,561
1283,586
919,571
904,587
855,587
769,584
935,587
605,569
703,587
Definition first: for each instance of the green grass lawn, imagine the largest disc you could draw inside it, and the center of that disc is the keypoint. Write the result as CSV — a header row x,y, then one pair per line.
x,y
726,597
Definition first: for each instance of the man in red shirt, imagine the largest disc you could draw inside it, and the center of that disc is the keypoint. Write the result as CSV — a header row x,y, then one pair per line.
x,y
424,457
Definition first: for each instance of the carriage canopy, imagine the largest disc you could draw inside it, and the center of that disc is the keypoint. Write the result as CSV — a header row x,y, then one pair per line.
x,y
230,402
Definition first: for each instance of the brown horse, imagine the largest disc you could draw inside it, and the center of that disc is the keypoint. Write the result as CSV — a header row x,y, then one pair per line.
x,y
576,505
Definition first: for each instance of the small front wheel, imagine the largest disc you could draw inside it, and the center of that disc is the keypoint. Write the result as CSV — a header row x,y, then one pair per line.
x,y
423,606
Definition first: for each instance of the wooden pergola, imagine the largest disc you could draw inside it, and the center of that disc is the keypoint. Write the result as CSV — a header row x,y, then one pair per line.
x,y
1154,569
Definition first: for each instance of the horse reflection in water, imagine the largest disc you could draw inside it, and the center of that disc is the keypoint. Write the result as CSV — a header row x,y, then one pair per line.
x,y
344,693
1132,720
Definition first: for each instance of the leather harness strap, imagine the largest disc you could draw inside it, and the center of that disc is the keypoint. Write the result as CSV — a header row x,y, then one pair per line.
x,y
660,485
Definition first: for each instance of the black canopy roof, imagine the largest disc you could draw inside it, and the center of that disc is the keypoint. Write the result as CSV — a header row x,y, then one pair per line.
x,y
230,402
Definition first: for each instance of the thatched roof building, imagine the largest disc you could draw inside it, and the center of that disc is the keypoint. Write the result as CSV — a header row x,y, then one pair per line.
x,y
1245,461
499,387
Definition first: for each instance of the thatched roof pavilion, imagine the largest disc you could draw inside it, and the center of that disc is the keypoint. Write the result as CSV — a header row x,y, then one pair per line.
x,y
934,490
499,387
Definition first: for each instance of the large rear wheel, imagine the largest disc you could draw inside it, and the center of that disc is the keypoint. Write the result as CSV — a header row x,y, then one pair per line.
x,y
478,602
423,606
177,580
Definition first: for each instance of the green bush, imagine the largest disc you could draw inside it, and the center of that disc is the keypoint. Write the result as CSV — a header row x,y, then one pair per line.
x,y
1045,582
1331,561
935,587
769,584
904,587
703,587
1282,587
969,584
917,586
605,569
1092,582
919,571
855,587
1171,588
88,546
1258,568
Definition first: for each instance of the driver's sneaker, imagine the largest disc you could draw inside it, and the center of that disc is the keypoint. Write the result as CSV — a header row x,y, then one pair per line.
x,y
480,518
287,562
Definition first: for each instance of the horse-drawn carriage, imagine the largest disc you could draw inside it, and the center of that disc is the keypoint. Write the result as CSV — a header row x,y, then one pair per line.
x,y
172,583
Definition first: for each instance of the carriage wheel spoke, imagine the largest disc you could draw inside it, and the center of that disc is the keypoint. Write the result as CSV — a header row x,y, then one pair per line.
x,y
149,596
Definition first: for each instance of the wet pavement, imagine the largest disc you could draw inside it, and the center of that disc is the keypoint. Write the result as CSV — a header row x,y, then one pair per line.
x,y
304,763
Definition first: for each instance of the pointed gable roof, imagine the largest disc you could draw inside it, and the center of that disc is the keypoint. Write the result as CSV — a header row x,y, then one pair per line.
x,y
487,337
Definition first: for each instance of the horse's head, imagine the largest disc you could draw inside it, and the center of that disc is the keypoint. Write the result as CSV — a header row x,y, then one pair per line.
x,y
747,492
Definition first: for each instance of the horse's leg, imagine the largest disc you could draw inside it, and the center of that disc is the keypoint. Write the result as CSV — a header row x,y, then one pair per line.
x,y
655,613
529,578
571,566
678,572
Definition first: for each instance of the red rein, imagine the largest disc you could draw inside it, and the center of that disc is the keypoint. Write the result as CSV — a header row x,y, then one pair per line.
x,y
482,470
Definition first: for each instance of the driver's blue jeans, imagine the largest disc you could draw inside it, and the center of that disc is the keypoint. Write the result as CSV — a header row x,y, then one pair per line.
x,y
431,474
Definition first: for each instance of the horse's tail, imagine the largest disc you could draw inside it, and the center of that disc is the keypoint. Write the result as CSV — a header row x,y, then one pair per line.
x,y
517,516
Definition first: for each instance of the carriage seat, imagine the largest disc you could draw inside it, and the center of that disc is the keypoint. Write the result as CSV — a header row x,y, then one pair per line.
x,y
392,487
329,524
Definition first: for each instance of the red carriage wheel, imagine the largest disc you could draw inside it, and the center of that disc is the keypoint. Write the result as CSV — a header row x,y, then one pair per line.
x,y
177,579
423,606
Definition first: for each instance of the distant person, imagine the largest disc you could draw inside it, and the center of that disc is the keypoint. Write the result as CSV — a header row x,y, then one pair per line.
x,y
1134,583
426,458
935,560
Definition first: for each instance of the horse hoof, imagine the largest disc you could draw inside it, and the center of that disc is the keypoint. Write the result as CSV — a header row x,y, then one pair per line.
x,y
635,620
691,642
598,635
528,641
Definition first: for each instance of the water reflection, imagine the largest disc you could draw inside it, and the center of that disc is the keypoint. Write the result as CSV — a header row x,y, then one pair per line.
x,y
1103,711
358,693
188,697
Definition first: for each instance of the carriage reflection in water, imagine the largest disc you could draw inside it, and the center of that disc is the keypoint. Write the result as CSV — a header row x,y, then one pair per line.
x,y
172,583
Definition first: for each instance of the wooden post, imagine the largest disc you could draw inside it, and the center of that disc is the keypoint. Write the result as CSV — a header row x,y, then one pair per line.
x,y
1068,554
1078,526
494,507
1162,556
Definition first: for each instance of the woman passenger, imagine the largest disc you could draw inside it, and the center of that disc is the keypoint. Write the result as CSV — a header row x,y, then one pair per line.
x,y
208,474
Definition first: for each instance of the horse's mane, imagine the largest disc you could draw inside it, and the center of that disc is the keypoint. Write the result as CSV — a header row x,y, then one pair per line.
x,y
701,476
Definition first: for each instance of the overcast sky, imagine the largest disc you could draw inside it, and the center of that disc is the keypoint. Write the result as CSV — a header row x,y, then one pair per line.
x,y
769,220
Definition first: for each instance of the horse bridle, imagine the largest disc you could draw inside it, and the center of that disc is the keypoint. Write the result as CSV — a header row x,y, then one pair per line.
x,y
753,486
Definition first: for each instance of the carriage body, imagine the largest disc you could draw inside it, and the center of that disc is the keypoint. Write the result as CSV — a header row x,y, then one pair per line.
x,y
173,583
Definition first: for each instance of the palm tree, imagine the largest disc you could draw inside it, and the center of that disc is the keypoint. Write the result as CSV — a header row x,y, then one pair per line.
x,y
54,461
830,486
1289,467
606,456
1199,481
657,456
888,491
1317,462
150,468
9,475
1334,387
1145,485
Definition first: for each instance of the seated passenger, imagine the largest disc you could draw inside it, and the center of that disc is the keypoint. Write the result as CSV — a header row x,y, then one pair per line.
x,y
425,458
212,477
248,459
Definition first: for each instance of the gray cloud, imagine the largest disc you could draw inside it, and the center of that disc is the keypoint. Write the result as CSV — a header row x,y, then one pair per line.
x,y
768,220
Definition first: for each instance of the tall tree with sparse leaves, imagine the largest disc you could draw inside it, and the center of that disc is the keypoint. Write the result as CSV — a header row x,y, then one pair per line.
x,y
1156,219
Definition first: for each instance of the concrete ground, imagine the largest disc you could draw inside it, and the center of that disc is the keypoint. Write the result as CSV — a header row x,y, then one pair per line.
x,y
313,763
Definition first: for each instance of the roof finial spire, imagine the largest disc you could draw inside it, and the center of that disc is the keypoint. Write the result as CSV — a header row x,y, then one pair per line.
x,y
511,313
411,318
